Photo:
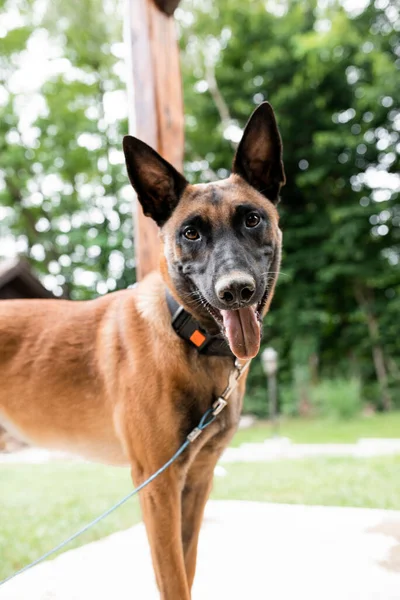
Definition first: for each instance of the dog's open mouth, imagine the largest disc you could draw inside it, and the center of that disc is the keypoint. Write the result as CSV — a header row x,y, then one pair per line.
x,y
241,326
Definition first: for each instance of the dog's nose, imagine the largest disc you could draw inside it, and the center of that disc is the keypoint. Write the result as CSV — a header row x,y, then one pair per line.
x,y
236,288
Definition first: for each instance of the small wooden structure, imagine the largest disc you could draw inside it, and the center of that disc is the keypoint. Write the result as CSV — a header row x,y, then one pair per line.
x,y
18,281
156,104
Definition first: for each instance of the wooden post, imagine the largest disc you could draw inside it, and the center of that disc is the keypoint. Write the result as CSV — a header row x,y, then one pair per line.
x,y
156,104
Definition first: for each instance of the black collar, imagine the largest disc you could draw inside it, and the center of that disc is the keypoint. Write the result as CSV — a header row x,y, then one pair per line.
x,y
190,330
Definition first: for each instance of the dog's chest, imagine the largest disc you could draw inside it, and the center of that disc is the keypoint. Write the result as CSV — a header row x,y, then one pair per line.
x,y
194,397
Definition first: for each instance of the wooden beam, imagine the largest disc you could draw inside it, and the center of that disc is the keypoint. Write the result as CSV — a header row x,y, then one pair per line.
x,y
156,105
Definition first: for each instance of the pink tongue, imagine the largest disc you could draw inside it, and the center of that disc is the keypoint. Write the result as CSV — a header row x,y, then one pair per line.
x,y
243,331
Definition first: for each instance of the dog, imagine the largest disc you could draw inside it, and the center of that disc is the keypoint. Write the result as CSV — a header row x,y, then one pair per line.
x,y
116,380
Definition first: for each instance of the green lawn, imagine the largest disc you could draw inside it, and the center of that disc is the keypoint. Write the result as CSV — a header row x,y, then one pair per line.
x,y
40,505
368,483
321,431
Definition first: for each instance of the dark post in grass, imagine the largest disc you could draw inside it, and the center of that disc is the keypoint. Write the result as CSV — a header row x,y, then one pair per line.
x,y
155,102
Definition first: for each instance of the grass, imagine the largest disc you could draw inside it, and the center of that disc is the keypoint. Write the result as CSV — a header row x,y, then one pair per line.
x,y
40,505
367,483
320,431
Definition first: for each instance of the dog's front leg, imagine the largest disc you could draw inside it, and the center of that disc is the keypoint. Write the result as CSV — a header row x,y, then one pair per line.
x,y
161,508
195,494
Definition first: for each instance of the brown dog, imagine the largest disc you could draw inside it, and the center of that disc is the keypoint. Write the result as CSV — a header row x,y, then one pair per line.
x,y
111,380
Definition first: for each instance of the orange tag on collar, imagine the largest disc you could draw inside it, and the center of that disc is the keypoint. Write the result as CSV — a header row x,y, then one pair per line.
x,y
197,338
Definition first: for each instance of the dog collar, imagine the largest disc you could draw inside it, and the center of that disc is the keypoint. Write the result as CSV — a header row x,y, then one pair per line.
x,y
190,330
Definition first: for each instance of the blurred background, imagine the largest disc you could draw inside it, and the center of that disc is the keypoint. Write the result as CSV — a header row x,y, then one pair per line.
x,y
331,71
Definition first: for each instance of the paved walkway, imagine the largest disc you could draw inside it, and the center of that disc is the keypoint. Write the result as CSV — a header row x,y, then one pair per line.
x,y
35,456
280,447
247,551
271,449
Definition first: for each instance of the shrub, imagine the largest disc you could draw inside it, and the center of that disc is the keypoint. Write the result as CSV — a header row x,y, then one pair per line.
x,y
256,402
288,401
338,398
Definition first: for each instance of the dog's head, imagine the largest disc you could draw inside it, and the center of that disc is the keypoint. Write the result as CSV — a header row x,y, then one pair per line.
x,y
220,241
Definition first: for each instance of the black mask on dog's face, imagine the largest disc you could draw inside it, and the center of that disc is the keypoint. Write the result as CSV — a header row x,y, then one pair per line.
x,y
221,240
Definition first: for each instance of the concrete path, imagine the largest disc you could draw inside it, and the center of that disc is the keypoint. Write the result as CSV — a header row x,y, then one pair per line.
x,y
280,447
248,551
270,449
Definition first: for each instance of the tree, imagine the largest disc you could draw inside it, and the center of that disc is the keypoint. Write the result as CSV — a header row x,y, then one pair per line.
x,y
64,195
332,80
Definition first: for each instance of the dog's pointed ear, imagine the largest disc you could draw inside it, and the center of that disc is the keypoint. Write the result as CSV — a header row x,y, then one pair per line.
x,y
158,184
258,158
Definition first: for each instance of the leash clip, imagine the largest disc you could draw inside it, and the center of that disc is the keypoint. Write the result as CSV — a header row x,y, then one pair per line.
x,y
241,368
219,406
194,434
234,379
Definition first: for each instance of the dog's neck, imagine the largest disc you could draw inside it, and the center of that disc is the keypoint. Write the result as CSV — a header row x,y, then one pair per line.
x,y
197,311
189,329
190,300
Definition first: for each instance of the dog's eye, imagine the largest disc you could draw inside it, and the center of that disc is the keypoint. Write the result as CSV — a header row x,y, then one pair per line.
x,y
252,220
191,234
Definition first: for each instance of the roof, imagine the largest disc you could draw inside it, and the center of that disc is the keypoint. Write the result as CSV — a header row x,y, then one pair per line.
x,y
167,6
18,281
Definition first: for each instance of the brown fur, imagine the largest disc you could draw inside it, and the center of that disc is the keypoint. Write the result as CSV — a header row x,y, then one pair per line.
x,y
110,380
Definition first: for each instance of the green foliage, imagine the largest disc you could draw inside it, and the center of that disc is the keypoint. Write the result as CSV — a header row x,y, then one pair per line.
x,y
256,403
337,398
333,398
289,406
333,80
64,196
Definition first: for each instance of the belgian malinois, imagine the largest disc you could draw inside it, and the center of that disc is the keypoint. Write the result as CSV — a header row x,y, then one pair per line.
x,y
110,379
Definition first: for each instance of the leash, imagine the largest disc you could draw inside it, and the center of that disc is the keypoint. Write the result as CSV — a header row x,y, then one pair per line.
x,y
206,420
